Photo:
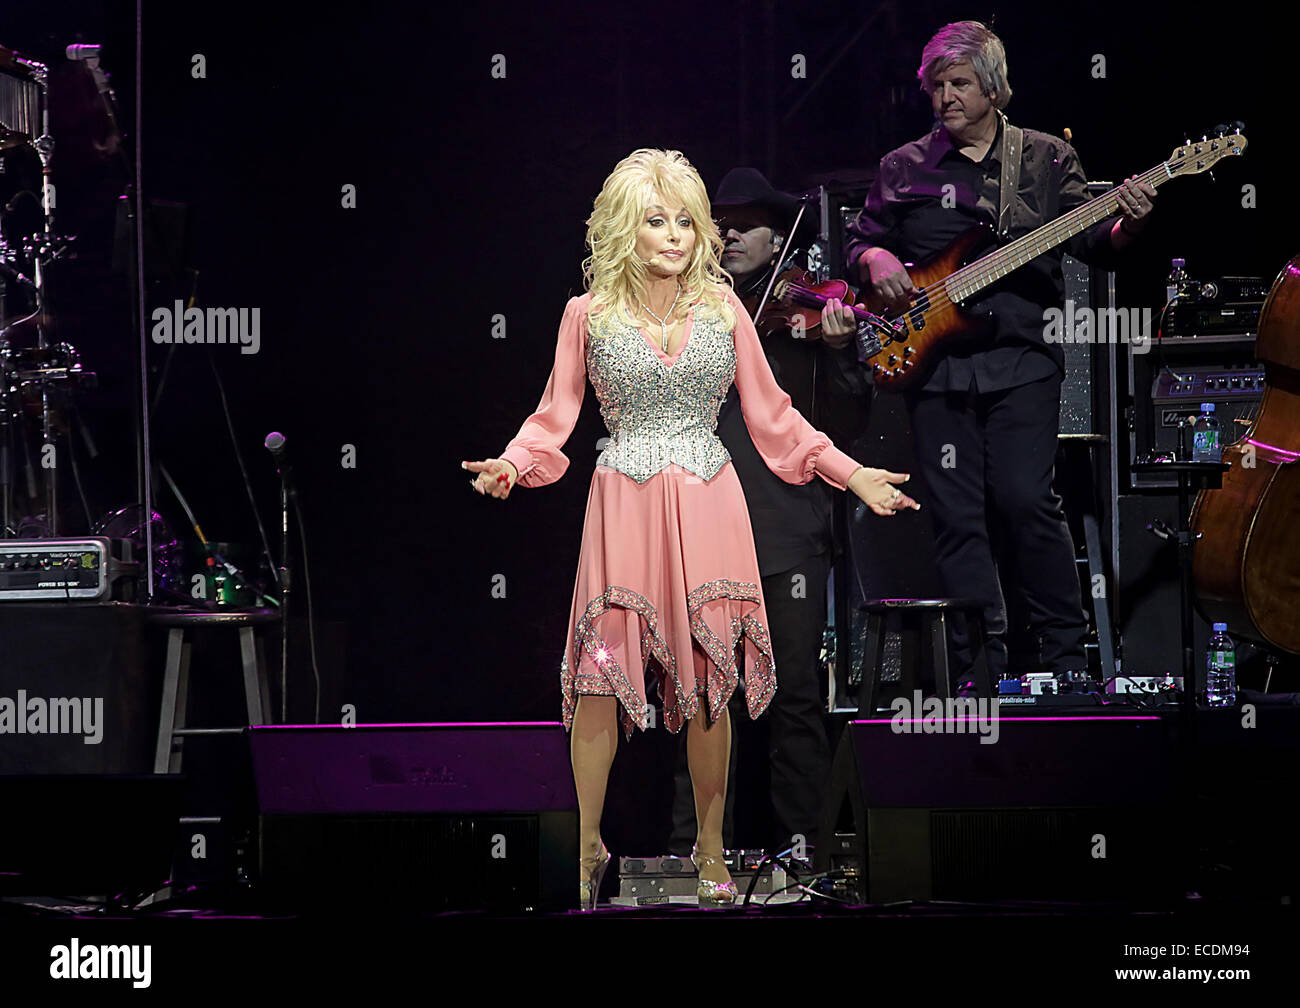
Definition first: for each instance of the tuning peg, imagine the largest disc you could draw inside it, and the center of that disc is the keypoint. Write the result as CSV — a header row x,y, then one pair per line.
x,y
1220,130
1238,126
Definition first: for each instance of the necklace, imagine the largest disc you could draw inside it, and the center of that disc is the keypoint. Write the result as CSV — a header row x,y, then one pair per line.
x,y
663,322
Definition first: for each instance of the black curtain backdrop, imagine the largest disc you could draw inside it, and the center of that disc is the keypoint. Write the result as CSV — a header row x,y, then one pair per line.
x,y
471,191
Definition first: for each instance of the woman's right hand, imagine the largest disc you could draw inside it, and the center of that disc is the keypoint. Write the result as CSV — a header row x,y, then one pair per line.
x,y
495,476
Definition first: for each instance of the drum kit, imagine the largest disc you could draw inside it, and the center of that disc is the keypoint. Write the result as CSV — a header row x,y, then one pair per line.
x,y
39,376
42,377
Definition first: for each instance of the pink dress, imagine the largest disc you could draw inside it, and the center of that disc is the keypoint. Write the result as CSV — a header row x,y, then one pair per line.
x,y
667,569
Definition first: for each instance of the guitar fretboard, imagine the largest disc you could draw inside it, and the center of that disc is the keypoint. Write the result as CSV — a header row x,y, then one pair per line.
x,y
969,280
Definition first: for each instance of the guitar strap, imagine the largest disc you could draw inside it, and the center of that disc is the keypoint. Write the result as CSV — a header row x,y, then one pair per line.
x,y
1012,149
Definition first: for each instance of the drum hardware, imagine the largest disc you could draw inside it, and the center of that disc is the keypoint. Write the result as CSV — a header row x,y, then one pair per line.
x,y
12,138
226,584
127,525
37,381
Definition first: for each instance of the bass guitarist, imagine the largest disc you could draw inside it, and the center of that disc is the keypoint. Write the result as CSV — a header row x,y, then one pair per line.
x,y
985,421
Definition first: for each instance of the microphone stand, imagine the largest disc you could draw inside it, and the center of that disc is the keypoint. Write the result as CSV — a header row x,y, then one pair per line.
x,y
286,492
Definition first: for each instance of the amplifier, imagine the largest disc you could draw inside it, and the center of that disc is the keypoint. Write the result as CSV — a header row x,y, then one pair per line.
x,y
1172,387
1201,321
1207,384
94,567
1178,391
1226,306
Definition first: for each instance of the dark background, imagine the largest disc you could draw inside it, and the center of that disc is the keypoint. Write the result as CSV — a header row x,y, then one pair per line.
x,y
471,197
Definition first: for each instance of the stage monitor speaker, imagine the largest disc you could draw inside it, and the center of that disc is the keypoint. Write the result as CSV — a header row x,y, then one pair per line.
x,y
81,835
77,693
1148,611
1058,808
416,818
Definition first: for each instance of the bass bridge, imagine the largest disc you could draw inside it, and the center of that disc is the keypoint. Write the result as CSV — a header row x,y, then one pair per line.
x,y
874,334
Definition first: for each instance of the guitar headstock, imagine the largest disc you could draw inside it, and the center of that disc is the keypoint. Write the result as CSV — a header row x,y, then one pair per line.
x,y
1202,155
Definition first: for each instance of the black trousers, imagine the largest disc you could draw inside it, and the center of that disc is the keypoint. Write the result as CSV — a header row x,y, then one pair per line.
x,y
985,463
798,744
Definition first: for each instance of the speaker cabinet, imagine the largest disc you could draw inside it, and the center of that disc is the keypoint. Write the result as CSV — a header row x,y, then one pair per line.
x,y
418,818
69,835
1148,611
1058,808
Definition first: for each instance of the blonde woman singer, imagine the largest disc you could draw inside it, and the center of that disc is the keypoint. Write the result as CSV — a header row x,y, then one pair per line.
x,y
667,569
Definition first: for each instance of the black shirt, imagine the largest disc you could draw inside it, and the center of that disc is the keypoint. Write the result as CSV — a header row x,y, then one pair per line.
x,y
905,213
792,522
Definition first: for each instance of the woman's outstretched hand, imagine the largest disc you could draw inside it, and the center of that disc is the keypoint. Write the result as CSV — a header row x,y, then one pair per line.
x,y
876,490
495,476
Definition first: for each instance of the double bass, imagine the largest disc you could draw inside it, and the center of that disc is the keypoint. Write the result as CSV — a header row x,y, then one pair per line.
x,y
1246,554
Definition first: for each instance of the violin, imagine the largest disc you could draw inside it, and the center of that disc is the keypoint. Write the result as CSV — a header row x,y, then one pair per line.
x,y
797,301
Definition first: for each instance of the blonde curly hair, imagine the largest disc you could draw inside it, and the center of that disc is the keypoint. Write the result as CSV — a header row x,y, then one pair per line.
x,y
612,271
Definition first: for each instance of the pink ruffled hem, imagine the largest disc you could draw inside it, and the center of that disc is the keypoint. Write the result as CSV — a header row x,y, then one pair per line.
x,y
667,572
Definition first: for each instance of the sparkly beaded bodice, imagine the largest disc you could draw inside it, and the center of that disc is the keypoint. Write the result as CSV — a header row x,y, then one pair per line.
x,y
655,412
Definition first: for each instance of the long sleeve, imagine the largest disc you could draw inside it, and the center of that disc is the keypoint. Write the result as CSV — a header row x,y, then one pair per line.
x,y
1092,246
789,445
535,450
876,224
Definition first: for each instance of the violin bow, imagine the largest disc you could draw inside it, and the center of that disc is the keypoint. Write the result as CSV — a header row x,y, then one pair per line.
x,y
780,260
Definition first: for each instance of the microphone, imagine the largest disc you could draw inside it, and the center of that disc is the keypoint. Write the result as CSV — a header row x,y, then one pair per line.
x,y
275,444
83,52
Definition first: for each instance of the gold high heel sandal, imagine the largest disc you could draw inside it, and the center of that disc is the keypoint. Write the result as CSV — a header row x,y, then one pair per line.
x,y
712,894
589,891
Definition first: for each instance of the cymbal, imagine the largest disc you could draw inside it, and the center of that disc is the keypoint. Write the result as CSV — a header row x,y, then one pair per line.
x,y
11,138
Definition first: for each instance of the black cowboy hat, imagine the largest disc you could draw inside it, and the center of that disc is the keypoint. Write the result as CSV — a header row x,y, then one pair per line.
x,y
747,187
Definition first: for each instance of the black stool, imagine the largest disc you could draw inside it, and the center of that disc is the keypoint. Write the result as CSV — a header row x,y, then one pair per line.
x,y
1098,567
923,637
173,713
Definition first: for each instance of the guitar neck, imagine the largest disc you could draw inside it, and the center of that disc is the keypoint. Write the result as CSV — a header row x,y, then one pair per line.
x,y
970,280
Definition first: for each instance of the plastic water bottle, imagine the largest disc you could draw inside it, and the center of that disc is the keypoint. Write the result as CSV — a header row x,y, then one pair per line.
x,y
1221,669
1205,436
